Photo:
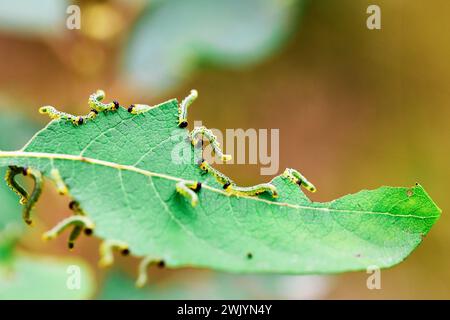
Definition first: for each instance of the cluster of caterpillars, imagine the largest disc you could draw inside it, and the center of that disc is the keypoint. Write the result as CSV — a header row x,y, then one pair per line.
x,y
80,223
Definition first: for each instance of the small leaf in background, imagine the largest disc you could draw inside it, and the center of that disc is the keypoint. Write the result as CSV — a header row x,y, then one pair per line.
x,y
213,285
33,17
37,277
174,36
120,169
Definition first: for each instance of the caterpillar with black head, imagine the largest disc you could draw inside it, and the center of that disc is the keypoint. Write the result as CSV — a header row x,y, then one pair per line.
x,y
232,188
220,177
95,102
189,190
139,108
28,200
183,108
55,114
296,177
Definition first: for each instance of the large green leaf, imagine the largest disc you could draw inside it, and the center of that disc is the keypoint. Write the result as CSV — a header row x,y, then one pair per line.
x,y
44,278
119,167
173,37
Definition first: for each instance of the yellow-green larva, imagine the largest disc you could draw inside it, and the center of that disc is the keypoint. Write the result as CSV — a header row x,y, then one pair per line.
x,y
95,103
253,190
139,108
183,108
189,190
79,222
220,177
59,183
297,178
106,251
10,179
212,140
27,200
55,114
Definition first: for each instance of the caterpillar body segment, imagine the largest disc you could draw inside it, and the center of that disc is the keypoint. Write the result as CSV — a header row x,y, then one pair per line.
x,y
139,108
36,175
107,249
143,267
183,108
220,177
55,114
10,176
78,221
205,132
59,183
232,188
74,235
296,177
253,191
189,189
95,102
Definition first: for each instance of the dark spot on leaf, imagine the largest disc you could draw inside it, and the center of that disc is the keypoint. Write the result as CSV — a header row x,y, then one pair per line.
x,y
183,124
249,255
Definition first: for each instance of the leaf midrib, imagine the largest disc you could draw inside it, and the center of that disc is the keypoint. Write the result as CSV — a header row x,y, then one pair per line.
x,y
82,159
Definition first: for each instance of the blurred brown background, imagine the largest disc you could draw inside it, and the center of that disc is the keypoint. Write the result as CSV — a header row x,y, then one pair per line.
x,y
356,109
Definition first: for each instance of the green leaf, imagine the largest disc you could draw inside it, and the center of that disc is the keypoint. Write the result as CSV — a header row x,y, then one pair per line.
x,y
173,37
120,169
44,278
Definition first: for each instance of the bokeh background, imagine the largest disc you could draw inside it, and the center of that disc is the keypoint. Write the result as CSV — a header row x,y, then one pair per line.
x,y
356,109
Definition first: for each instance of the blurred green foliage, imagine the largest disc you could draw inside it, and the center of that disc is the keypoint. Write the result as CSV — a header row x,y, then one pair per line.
x,y
174,37
30,17
212,285
39,277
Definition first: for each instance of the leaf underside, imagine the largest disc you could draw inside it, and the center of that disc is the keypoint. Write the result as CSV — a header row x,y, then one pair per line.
x,y
120,169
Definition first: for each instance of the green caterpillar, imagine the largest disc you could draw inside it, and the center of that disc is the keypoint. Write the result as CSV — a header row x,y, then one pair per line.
x,y
95,103
183,108
297,178
253,191
220,177
189,190
139,108
212,140
55,114
106,251
232,188
27,200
